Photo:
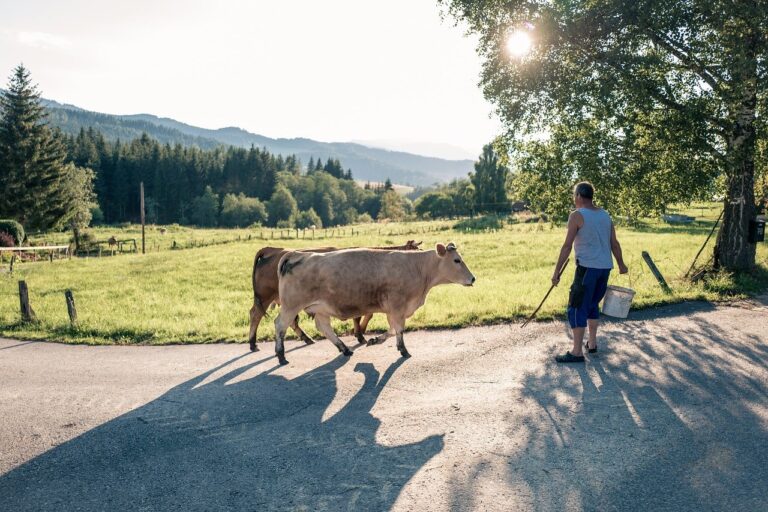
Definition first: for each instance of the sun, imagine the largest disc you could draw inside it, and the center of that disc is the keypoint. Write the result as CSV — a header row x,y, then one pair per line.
x,y
519,43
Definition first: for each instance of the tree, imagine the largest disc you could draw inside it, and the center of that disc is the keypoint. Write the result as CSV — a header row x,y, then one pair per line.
x,y
490,181
33,173
434,205
240,211
282,206
393,206
205,209
308,219
692,73
78,199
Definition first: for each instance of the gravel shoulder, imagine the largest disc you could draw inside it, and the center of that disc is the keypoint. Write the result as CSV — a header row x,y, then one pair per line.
x,y
672,414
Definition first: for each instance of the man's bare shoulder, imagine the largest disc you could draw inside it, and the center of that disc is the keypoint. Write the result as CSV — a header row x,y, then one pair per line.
x,y
575,217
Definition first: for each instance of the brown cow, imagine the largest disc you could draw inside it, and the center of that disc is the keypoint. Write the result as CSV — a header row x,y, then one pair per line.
x,y
265,288
392,282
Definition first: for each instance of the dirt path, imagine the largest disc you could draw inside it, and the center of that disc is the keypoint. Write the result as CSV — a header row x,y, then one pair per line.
x,y
671,415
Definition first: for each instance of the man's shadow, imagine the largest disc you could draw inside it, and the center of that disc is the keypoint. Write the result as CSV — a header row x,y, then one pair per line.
x,y
211,444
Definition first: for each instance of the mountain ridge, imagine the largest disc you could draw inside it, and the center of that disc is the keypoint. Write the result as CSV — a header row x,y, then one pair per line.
x,y
367,163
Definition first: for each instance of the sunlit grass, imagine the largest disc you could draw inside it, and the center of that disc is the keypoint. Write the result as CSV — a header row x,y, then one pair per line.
x,y
204,294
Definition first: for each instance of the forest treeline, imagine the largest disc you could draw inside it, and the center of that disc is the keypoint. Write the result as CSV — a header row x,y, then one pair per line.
x,y
224,186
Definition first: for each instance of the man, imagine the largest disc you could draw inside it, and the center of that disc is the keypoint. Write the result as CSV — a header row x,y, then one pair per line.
x,y
591,231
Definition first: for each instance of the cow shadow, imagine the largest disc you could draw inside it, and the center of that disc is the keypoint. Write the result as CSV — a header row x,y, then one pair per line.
x,y
221,441
625,433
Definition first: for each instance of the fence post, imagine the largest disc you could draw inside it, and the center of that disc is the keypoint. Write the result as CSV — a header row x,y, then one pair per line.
x,y
71,307
27,313
13,260
655,272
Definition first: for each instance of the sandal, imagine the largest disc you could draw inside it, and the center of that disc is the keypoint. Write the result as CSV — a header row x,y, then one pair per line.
x,y
591,350
569,358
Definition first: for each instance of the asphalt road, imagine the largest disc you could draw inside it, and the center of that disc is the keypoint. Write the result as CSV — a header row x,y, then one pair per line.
x,y
672,414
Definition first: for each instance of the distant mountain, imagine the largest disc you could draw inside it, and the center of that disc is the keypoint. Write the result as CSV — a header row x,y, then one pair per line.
x,y
367,163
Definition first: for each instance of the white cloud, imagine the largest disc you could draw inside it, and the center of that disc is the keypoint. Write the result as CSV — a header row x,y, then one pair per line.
x,y
43,40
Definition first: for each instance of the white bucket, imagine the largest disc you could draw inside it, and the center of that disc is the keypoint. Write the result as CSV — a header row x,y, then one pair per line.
x,y
617,301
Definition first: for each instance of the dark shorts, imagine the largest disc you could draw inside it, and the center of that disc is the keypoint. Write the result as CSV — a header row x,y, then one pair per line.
x,y
588,289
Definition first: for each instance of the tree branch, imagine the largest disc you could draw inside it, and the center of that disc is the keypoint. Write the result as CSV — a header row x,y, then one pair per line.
x,y
683,54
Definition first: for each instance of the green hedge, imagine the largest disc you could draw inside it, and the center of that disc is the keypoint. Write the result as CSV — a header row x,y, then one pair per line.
x,y
14,229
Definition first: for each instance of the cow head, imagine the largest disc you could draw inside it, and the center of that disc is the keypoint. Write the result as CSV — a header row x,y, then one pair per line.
x,y
412,245
451,266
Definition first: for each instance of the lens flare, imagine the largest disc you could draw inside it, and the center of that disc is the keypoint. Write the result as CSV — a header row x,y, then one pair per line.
x,y
519,43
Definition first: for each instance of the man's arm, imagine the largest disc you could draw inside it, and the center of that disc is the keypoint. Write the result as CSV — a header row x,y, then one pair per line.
x,y
616,250
575,221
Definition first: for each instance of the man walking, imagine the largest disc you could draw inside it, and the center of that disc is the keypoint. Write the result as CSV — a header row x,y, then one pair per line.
x,y
591,233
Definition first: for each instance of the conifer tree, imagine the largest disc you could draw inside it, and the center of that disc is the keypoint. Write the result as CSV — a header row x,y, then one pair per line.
x,y
33,175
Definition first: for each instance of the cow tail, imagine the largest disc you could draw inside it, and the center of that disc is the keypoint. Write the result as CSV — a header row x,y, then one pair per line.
x,y
256,260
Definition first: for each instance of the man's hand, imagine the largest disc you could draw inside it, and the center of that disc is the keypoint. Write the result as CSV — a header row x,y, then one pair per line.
x,y
623,268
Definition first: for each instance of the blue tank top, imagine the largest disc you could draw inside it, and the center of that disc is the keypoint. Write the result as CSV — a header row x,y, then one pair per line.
x,y
593,240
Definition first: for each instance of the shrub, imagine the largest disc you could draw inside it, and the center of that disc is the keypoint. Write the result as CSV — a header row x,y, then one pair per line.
x,y
87,241
6,240
364,218
487,222
308,219
14,229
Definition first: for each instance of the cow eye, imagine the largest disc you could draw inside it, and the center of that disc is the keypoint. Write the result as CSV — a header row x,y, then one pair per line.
x,y
457,260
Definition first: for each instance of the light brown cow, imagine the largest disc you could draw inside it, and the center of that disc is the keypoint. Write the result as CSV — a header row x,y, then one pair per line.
x,y
392,282
265,288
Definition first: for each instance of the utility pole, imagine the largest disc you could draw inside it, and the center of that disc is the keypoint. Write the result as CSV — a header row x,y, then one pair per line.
x,y
141,190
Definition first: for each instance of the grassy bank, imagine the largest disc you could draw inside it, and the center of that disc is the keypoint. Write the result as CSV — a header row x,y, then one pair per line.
x,y
203,294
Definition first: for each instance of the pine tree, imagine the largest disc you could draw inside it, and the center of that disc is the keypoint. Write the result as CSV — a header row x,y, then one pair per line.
x,y
33,175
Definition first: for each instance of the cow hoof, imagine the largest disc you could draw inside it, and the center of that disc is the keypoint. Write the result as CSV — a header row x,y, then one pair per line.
x,y
361,340
254,348
282,360
347,352
405,354
309,341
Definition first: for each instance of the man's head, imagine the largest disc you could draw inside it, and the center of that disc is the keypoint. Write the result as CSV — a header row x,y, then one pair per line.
x,y
583,193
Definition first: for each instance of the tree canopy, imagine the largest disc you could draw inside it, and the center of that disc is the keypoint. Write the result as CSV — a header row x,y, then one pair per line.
x,y
654,99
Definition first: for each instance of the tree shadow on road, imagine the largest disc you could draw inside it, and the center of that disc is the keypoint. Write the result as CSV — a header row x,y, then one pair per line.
x,y
624,432
221,441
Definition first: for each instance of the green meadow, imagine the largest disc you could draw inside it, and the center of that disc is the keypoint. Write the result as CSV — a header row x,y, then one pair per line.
x,y
203,294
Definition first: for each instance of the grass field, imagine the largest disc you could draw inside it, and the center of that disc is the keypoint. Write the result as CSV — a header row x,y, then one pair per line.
x,y
204,294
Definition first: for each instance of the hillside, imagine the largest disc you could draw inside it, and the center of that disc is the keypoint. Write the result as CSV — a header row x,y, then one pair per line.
x,y
367,163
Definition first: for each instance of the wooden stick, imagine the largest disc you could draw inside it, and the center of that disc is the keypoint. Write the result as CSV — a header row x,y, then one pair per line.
x,y
705,243
27,313
545,297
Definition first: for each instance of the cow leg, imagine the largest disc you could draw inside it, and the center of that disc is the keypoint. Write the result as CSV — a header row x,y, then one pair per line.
x,y
304,336
283,320
257,313
359,331
364,322
381,338
323,324
398,324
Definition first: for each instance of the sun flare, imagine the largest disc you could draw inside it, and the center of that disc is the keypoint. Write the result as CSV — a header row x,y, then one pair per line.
x,y
519,43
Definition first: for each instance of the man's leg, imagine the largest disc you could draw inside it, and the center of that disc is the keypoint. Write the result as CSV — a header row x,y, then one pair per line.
x,y
593,317
578,309
592,323
578,340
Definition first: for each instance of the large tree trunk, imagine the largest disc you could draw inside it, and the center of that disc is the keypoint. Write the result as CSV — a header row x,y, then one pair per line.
x,y
733,250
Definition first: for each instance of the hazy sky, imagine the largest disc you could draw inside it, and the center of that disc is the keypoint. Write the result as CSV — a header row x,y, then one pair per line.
x,y
332,70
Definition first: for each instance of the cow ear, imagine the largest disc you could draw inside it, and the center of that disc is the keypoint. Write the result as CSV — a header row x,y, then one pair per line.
x,y
441,250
